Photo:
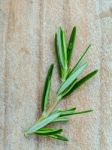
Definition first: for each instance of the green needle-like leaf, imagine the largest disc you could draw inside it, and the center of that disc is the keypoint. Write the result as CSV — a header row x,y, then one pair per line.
x,y
69,88
64,47
71,44
43,123
71,79
83,112
61,119
60,50
68,112
64,70
59,137
48,131
79,63
80,82
57,55
47,88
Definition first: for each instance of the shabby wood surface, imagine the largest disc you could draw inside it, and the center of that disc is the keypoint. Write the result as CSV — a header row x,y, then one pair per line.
x,y
27,30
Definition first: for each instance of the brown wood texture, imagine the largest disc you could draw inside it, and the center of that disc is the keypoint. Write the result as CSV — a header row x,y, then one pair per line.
x,y
27,30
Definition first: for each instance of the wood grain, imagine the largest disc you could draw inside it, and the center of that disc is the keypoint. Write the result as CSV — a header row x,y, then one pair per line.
x,y
27,30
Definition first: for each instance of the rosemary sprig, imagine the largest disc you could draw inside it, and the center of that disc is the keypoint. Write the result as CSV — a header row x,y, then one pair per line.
x,y
69,82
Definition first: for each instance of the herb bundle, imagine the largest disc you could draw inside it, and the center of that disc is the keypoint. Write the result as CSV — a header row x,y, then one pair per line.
x,y
69,82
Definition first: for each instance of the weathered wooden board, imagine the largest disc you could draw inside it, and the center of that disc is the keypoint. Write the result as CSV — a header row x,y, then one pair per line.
x,y
27,30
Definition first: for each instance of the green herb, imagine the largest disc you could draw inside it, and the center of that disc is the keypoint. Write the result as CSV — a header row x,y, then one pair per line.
x,y
69,82
47,89
61,119
59,137
48,131
43,122
71,44
66,84
61,50
80,82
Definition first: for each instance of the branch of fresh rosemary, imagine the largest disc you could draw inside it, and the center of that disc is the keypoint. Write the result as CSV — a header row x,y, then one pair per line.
x,y
69,82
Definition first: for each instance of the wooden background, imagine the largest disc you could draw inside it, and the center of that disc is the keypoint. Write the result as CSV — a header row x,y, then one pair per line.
x,y
27,30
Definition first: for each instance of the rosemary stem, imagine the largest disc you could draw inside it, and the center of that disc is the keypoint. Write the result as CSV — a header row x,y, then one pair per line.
x,y
50,110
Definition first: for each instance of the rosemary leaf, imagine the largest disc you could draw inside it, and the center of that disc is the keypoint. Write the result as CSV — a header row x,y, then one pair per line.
x,y
47,88
83,112
79,63
80,82
57,56
60,50
59,137
42,123
64,47
71,44
48,131
64,70
60,119
69,88
68,112
71,79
